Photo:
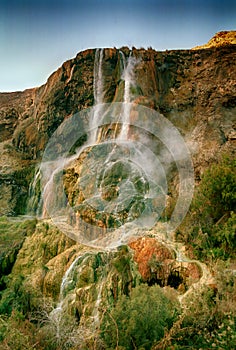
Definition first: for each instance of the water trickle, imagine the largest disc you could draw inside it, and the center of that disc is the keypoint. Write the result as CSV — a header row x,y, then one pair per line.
x,y
34,193
57,312
67,278
98,77
129,81
53,194
98,91
96,313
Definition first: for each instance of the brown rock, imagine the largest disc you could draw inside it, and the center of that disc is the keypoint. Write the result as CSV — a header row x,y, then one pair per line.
x,y
194,89
148,250
157,265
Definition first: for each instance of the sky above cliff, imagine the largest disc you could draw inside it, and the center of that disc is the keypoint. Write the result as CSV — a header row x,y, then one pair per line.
x,y
36,37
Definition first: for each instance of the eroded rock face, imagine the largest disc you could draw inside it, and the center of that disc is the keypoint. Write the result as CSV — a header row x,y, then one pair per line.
x,y
107,206
85,281
82,279
194,89
15,111
157,264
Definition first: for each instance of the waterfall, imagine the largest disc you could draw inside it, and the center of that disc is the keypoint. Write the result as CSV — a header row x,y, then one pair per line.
x,y
67,277
56,314
122,61
50,196
95,315
129,81
139,182
98,95
53,196
98,78
34,193
54,199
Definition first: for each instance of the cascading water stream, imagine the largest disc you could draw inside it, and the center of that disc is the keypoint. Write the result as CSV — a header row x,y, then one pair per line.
x,y
67,277
34,193
98,77
95,314
56,314
127,67
127,75
129,81
98,91
65,282
51,194
50,169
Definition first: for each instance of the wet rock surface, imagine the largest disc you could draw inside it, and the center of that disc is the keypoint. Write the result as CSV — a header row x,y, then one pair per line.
x,y
194,89
39,264
157,264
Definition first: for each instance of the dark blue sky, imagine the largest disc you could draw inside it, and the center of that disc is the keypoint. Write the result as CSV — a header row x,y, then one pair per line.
x,y
36,37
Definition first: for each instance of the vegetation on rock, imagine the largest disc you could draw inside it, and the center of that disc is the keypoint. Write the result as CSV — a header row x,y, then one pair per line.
x,y
139,320
211,224
56,294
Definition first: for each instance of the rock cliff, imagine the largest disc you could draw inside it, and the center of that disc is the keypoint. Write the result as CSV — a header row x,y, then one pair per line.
x,y
196,91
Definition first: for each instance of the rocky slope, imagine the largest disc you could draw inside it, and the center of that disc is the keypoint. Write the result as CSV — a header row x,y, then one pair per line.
x,y
196,91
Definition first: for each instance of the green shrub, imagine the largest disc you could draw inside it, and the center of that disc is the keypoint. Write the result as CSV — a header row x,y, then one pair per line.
x,y
209,320
16,333
223,237
216,195
211,224
139,320
12,236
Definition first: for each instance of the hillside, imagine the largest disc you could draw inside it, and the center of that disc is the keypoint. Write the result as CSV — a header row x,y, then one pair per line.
x,y
117,202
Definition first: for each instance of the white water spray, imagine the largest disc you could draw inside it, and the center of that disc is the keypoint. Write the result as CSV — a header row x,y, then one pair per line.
x,y
50,196
56,315
129,81
95,314
33,193
98,91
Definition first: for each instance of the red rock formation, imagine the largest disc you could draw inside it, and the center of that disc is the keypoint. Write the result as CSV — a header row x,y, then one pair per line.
x,y
147,251
157,265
